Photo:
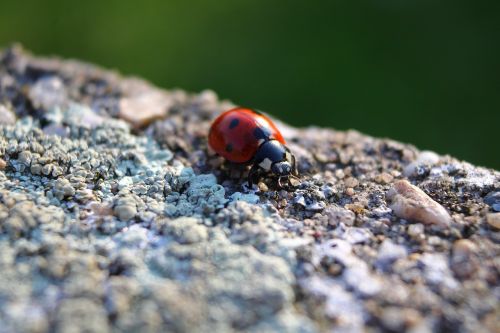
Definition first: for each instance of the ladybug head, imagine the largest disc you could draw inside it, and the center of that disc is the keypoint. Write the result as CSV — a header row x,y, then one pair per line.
x,y
282,168
273,157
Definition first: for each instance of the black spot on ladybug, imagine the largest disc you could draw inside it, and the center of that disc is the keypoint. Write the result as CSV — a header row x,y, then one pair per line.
x,y
229,147
261,133
234,123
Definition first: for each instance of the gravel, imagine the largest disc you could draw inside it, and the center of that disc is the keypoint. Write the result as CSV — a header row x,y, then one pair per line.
x,y
115,216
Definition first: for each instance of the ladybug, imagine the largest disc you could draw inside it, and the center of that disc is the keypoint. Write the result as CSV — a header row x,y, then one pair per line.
x,y
247,137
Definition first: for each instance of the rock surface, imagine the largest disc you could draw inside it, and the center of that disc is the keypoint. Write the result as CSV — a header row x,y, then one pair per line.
x,y
114,216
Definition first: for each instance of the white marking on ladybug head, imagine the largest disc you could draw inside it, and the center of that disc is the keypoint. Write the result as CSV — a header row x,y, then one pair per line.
x,y
281,168
266,164
261,141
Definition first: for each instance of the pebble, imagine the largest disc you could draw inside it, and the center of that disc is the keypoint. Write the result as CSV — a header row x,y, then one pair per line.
x,y
317,206
411,203
3,164
186,230
48,92
416,230
25,157
463,260
390,252
262,187
493,220
356,235
351,182
81,115
384,178
143,108
338,215
493,200
424,158
58,130
300,200
248,197
356,208
436,270
349,191
7,117
125,182
63,189
125,212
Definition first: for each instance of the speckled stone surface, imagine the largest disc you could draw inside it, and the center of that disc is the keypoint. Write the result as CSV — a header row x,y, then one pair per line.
x,y
114,216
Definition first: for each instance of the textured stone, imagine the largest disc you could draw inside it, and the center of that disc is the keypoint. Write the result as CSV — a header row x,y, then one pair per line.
x,y
115,216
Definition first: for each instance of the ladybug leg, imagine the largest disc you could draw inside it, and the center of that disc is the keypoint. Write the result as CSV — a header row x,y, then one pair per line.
x,y
295,172
280,185
254,170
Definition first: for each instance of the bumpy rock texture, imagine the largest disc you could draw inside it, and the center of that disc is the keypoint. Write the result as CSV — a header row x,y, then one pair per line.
x,y
114,216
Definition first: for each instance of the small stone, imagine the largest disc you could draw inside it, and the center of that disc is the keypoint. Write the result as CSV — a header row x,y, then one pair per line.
x,y
464,247
463,260
390,252
262,187
349,191
411,203
125,212
436,270
81,115
316,206
125,182
339,174
47,169
300,200
493,200
294,181
356,208
186,230
424,158
338,215
142,109
356,235
493,220
248,197
322,158
25,157
3,164
416,231
100,208
396,319
351,182
7,117
63,189
56,129
384,178
48,92
84,196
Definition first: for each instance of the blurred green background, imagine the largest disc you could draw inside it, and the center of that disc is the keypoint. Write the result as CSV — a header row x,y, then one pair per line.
x,y
425,72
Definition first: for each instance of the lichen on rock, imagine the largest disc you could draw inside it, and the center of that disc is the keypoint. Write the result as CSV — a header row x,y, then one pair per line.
x,y
115,216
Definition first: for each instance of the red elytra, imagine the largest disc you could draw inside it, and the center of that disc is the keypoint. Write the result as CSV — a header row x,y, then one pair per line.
x,y
237,134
